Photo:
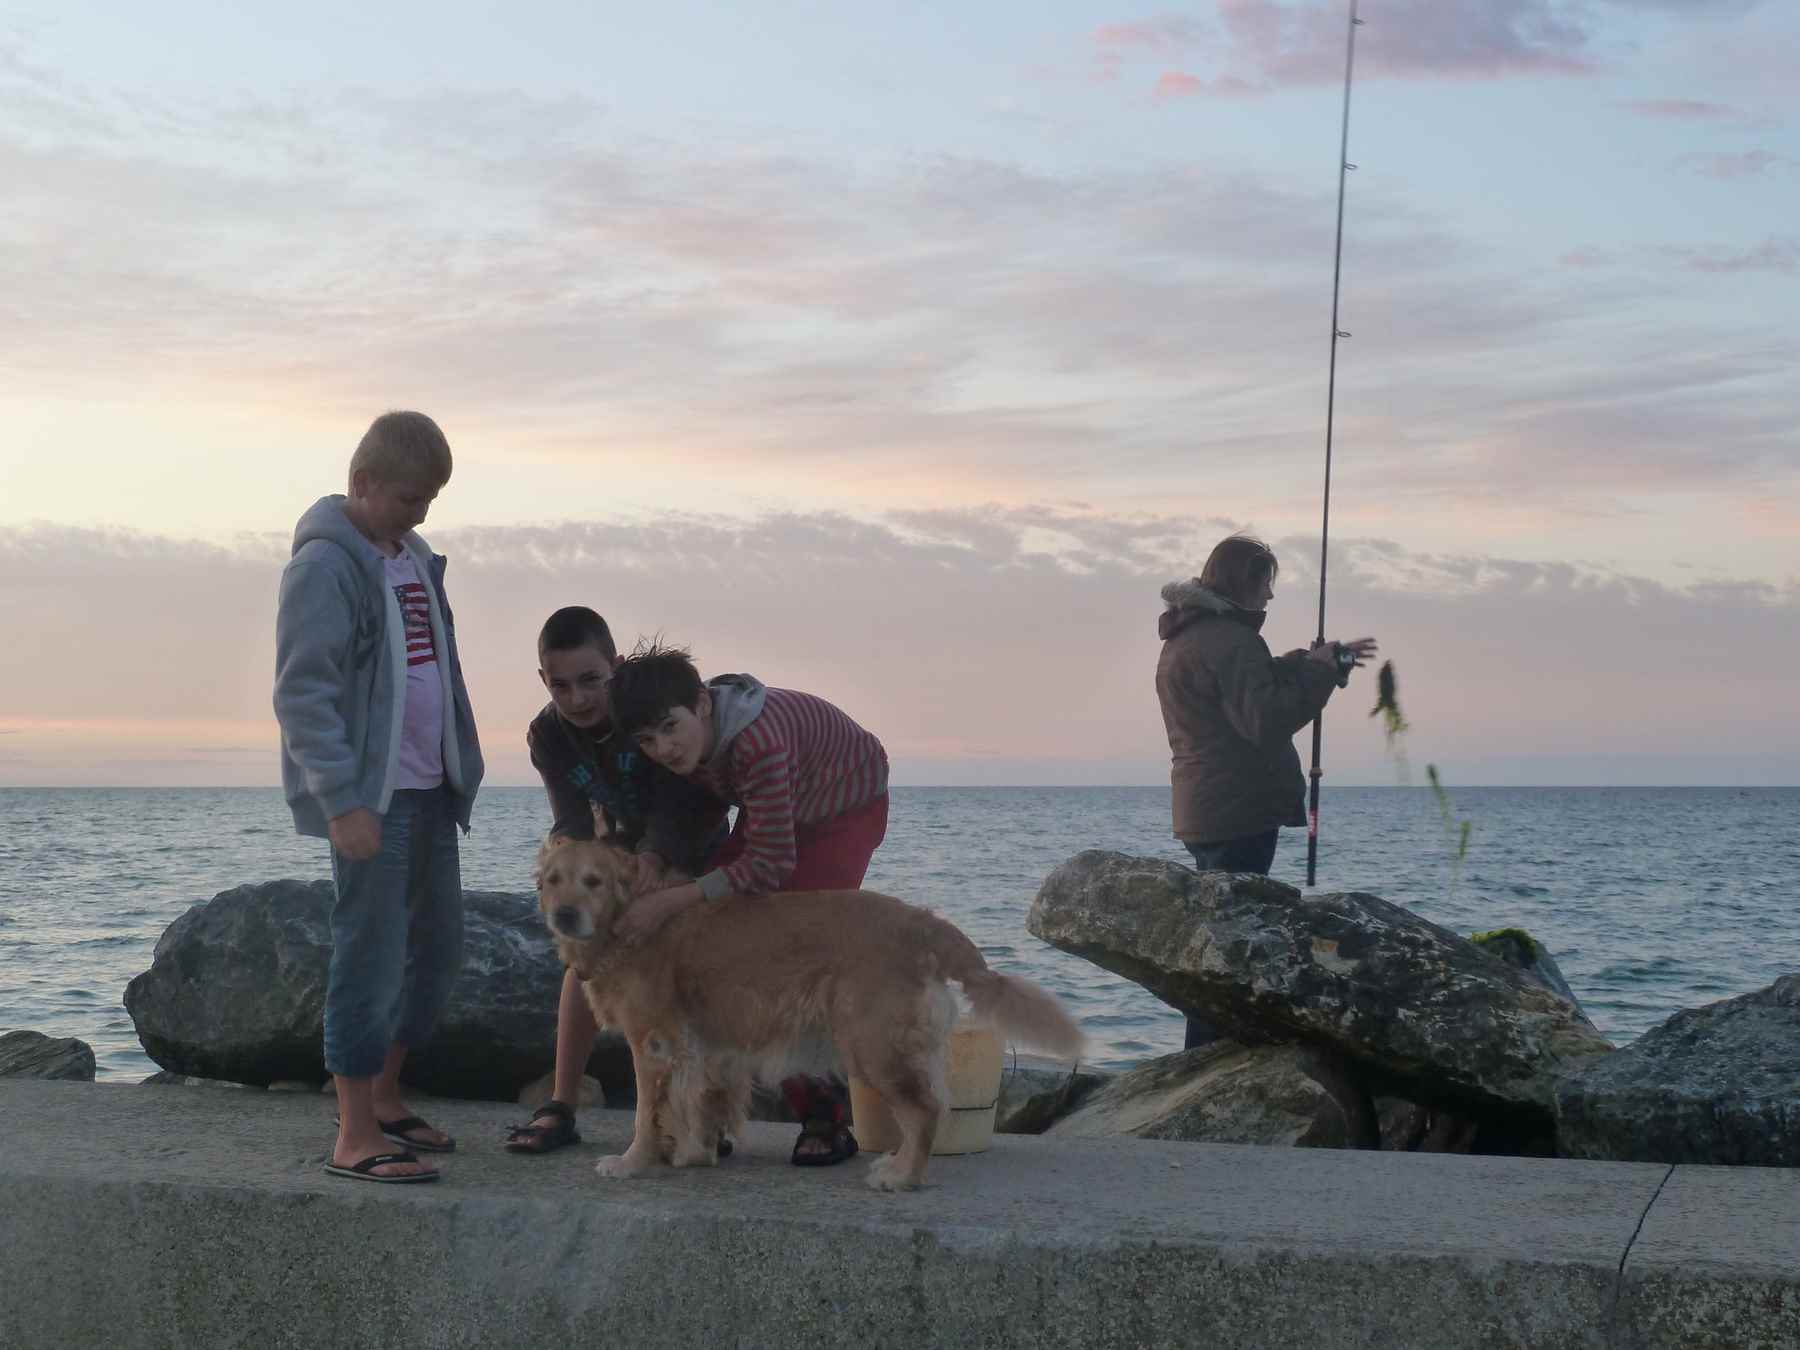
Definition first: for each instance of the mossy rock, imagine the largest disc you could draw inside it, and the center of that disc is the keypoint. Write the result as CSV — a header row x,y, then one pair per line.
x,y
1503,937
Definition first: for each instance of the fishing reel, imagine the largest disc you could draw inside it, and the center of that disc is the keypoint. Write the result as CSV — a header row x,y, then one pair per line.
x,y
1345,661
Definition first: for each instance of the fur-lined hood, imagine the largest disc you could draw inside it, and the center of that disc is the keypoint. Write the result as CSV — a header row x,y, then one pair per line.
x,y
1186,602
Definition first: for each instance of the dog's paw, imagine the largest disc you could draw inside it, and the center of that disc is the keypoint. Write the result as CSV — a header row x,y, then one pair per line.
x,y
620,1167
884,1176
694,1156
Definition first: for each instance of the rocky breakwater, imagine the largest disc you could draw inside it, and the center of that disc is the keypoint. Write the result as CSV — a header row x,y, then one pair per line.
x,y
236,991
31,1054
1360,997
1717,1084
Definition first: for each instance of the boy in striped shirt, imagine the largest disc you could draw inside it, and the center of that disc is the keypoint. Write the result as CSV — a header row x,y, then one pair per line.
x,y
810,786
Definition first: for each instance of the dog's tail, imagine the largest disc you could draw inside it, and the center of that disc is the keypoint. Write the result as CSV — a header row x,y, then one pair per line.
x,y
1020,1010
1024,1012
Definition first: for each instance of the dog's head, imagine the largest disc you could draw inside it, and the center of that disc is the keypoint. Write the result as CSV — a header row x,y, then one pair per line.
x,y
583,886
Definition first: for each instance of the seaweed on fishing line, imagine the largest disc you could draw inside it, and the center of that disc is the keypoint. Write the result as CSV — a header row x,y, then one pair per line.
x,y
1394,723
1459,830
1387,704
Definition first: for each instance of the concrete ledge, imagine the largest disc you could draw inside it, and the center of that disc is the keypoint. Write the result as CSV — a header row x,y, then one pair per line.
x,y
138,1216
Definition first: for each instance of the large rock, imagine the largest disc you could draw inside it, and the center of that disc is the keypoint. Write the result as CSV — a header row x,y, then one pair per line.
x,y
31,1054
1222,1093
236,991
1519,949
1420,1011
1716,1084
1407,1126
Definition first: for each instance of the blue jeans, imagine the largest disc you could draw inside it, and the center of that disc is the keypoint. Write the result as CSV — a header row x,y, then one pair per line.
x,y
396,935
1248,853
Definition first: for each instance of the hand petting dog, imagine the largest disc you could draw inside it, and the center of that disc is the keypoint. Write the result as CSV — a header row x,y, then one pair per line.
x,y
650,912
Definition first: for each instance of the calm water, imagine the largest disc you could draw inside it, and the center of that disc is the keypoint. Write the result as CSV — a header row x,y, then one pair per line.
x,y
1652,899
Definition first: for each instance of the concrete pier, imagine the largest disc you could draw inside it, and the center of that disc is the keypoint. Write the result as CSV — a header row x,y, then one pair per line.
x,y
134,1216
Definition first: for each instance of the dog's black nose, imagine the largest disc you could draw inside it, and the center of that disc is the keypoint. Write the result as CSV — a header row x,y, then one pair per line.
x,y
566,916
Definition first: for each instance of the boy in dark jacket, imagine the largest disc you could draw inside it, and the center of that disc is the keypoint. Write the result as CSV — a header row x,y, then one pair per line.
x,y
593,775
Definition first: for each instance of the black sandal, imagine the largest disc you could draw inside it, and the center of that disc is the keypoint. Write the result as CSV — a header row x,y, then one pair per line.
x,y
836,1134
365,1170
535,1138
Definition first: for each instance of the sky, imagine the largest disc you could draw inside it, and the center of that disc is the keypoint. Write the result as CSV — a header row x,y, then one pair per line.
x,y
903,353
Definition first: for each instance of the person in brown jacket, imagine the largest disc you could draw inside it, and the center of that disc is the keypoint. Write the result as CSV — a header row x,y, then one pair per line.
x,y
1231,709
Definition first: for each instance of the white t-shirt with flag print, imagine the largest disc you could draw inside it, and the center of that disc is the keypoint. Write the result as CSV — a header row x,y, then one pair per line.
x,y
422,725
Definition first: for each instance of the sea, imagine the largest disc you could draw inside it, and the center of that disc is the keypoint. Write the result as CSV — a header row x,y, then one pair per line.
x,y
1651,899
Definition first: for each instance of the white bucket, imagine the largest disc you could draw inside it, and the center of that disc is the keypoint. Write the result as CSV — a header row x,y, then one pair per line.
x,y
972,1082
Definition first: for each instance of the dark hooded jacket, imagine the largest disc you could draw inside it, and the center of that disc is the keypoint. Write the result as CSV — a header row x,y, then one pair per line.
x,y
601,775
1231,710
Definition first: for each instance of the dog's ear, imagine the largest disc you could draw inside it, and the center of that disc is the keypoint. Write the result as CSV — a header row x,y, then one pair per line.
x,y
619,888
552,842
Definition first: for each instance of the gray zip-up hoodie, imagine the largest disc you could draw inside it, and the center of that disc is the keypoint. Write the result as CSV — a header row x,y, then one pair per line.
x,y
340,674
737,702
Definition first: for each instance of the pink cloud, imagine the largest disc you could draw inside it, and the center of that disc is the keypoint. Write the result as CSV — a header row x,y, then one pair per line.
x,y
1500,655
1115,43
1740,164
1171,32
1178,84
1587,257
1772,255
1258,45
1686,110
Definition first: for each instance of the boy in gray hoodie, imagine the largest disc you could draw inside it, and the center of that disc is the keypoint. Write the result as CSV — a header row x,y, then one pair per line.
x,y
379,754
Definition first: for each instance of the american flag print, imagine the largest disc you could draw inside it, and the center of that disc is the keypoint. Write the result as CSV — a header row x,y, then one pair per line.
x,y
415,612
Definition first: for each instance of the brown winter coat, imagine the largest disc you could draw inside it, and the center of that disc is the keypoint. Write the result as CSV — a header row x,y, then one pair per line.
x,y
1231,710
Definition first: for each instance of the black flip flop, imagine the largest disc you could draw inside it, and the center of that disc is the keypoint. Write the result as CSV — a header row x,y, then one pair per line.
x,y
395,1130
365,1170
532,1137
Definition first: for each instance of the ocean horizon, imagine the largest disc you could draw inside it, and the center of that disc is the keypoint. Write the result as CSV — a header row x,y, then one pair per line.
x,y
1651,899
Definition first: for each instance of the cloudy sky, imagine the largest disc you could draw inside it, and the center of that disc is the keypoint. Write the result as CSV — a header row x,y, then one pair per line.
x,y
901,353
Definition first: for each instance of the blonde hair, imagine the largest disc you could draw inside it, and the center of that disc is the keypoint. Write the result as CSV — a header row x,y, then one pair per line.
x,y
402,447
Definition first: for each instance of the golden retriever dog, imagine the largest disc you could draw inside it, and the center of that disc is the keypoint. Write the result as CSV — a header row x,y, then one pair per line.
x,y
757,987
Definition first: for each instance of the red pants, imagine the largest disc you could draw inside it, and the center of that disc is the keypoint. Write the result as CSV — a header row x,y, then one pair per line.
x,y
832,855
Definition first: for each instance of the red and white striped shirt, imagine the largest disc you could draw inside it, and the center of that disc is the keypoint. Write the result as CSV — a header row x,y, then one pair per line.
x,y
802,761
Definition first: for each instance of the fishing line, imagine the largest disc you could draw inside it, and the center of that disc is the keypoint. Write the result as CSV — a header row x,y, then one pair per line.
x,y
1337,270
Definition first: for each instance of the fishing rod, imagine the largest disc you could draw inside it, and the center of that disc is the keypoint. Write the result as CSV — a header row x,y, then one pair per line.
x,y
1337,271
